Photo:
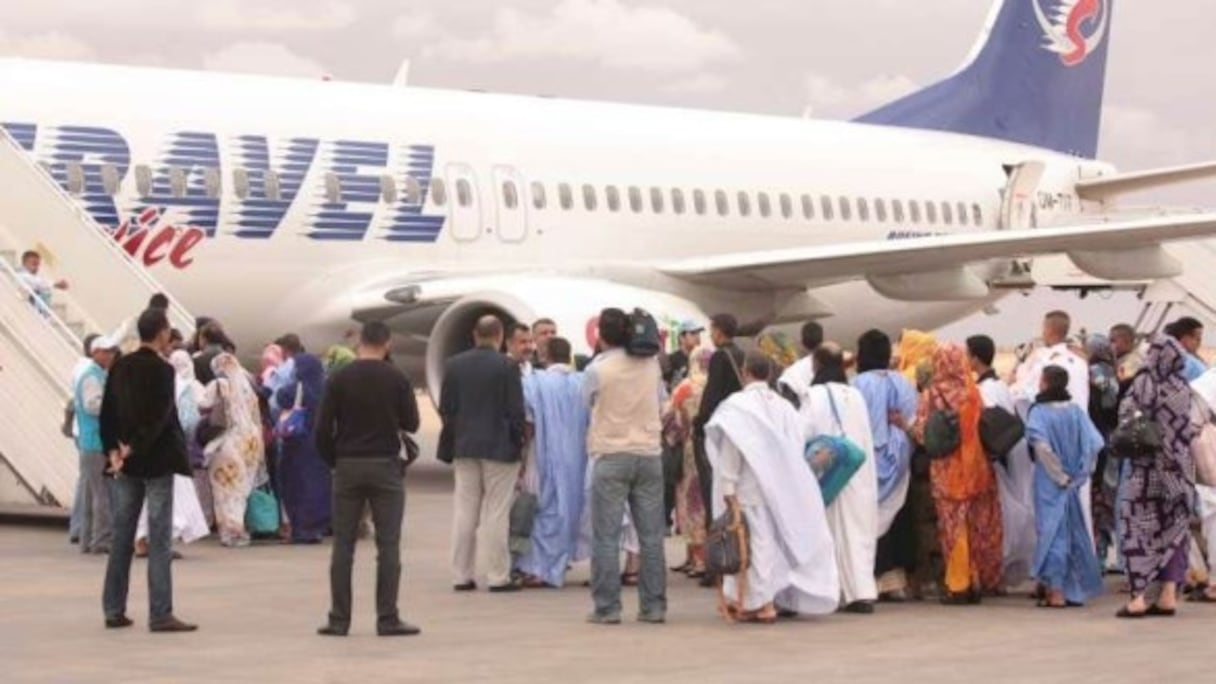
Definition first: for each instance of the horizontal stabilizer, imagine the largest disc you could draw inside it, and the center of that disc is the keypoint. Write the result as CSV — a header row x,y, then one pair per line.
x,y
1102,188
806,266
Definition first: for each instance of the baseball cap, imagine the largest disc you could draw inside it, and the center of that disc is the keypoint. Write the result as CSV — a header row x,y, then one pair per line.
x,y
690,326
102,343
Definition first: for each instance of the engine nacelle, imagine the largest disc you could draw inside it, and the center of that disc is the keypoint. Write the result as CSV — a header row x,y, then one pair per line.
x,y
573,303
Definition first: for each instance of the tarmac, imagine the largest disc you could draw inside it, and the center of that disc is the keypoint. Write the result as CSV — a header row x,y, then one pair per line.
x,y
258,609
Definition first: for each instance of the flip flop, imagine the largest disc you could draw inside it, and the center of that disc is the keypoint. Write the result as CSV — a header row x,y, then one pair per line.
x,y
1157,611
1125,613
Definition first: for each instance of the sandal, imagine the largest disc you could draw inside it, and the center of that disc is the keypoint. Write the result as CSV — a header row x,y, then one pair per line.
x,y
1125,612
682,568
629,579
1157,611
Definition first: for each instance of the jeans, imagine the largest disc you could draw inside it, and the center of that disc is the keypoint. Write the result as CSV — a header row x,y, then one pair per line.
x,y
96,529
638,480
128,495
378,483
77,502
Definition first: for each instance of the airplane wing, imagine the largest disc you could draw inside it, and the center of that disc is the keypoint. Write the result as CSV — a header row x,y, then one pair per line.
x,y
1107,250
1138,181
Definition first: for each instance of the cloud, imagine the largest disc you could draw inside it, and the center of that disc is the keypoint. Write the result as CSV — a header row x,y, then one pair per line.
x,y
699,84
415,25
274,15
255,57
829,99
48,45
605,32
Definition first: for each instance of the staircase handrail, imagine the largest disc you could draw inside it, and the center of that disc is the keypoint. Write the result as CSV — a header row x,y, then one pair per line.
x,y
184,323
65,334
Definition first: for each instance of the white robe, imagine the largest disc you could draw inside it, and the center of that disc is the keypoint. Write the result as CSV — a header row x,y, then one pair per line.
x,y
798,377
853,516
1205,387
189,523
754,443
1015,487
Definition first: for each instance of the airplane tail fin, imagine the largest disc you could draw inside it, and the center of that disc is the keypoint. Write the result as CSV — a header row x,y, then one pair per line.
x,y
1036,77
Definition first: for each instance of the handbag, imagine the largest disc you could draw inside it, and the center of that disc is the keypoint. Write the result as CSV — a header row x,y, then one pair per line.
x,y
1136,437
1000,432
293,423
262,513
834,459
726,544
523,514
943,433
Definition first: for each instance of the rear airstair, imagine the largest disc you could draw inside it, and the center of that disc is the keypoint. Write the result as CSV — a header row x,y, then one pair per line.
x,y
39,349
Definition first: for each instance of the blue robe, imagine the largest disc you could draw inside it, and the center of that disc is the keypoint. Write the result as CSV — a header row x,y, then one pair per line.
x,y
1195,367
555,407
1064,558
887,391
303,479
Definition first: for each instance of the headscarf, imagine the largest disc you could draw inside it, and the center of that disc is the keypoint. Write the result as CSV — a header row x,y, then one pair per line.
x,y
1160,391
778,348
829,365
240,400
311,375
337,357
952,387
272,358
187,390
873,351
916,356
1098,350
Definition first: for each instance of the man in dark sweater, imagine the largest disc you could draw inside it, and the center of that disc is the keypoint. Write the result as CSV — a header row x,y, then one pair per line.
x,y
725,378
145,444
482,407
367,405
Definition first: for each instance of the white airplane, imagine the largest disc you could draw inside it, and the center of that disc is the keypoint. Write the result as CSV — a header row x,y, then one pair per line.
x,y
291,205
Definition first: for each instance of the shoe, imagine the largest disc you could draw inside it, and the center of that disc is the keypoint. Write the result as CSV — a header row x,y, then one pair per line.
x,y
397,628
1157,611
119,622
508,588
598,619
102,550
465,586
652,618
963,599
897,596
786,614
172,625
859,608
1124,612
333,630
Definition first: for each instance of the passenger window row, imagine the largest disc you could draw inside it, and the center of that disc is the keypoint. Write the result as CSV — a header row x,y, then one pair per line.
x,y
638,200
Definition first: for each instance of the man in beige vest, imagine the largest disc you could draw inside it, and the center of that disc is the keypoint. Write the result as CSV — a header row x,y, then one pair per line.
x,y
624,393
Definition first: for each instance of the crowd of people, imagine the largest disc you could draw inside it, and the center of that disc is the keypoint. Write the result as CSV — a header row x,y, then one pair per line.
x,y
864,477
882,474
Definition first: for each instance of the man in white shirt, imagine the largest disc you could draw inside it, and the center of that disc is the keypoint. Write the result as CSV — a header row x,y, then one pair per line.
x,y
795,382
1055,352
521,347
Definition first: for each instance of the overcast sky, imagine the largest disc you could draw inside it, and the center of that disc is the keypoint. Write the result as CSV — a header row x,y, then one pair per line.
x,y
839,58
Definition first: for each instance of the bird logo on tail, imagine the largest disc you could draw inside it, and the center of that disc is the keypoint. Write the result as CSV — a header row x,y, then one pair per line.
x,y
1073,29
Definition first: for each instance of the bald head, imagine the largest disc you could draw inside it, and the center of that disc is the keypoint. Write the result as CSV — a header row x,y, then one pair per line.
x,y
1055,327
488,332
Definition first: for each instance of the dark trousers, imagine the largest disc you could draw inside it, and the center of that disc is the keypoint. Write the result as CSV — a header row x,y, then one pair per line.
x,y
127,498
673,466
379,484
705,478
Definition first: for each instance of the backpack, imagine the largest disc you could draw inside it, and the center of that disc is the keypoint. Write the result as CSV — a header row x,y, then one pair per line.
x,y
1000,432
644,338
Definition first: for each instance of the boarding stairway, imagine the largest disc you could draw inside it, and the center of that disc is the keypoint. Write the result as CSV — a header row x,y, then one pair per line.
x,y
39,349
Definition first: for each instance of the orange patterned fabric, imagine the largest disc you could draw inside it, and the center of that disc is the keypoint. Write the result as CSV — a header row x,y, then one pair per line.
x,y
967,473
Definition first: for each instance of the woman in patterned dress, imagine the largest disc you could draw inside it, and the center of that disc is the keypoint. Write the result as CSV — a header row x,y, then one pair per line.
x,y
964,484
235,458
1155,506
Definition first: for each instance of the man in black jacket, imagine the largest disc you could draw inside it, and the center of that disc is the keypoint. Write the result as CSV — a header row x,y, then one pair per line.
x,y
482,407
367,406
725,378
146,447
